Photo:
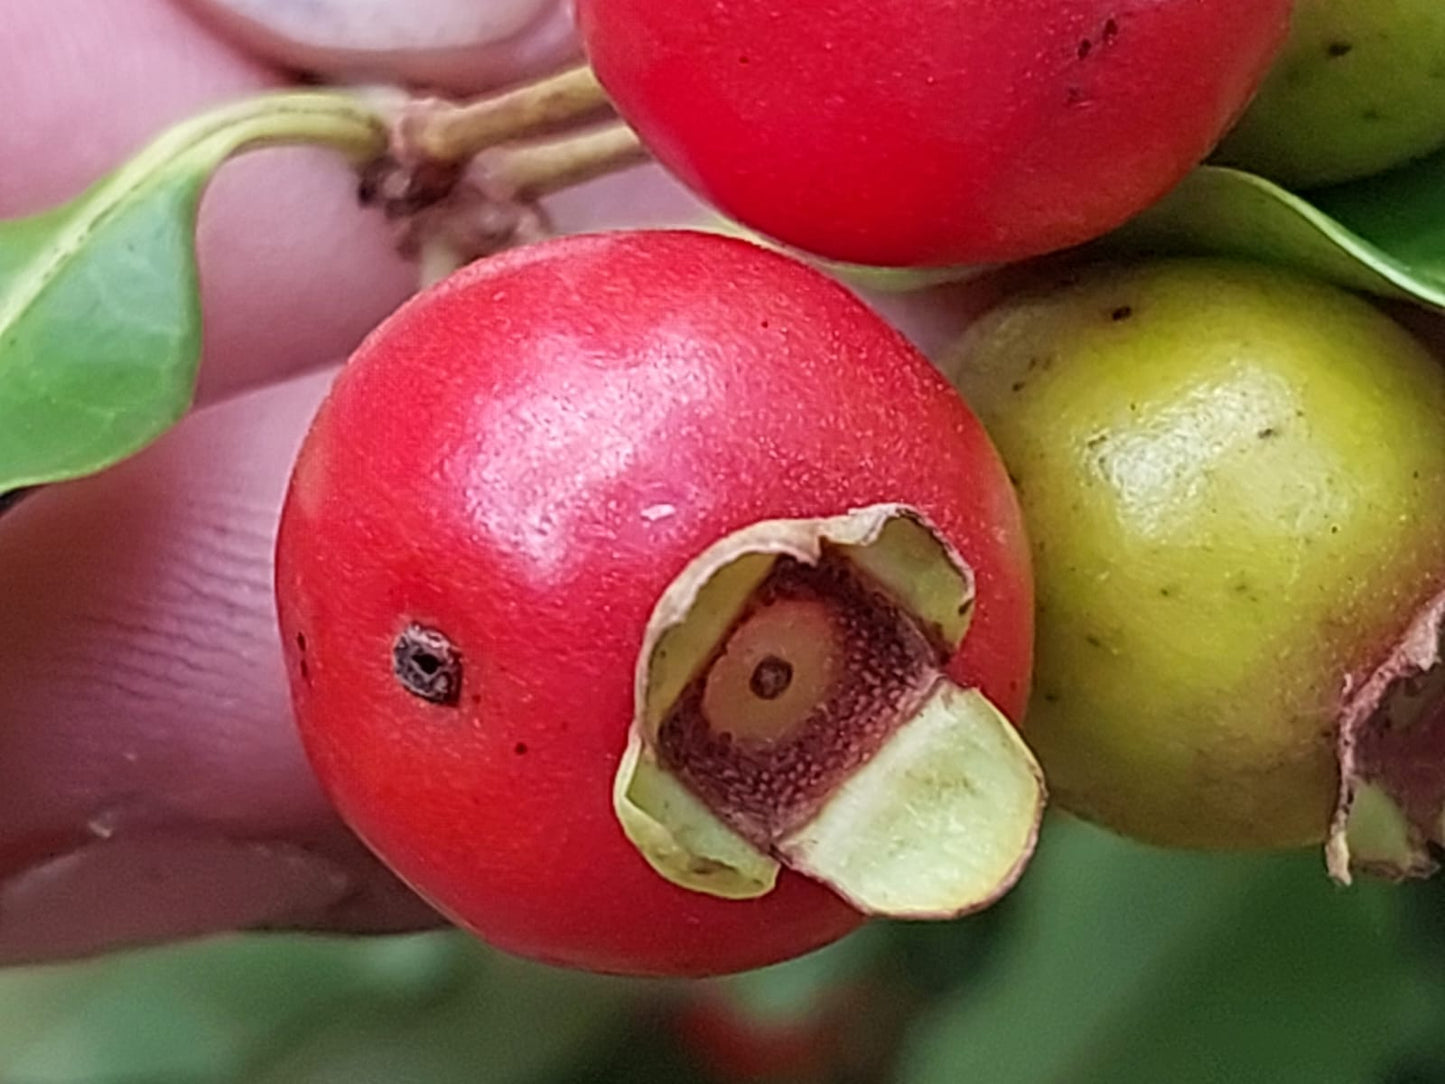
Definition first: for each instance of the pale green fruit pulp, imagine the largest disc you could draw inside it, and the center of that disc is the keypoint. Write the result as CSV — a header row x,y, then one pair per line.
x,y
1234,481
1359,88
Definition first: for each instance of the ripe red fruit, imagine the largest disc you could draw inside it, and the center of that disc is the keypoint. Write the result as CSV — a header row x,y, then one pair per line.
x,y
932,131
502,487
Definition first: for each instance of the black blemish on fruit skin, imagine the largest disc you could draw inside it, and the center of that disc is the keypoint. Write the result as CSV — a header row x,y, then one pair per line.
x,y
1336,49
427,665
520,749
1111,30
1085,48
1122,313
1267,432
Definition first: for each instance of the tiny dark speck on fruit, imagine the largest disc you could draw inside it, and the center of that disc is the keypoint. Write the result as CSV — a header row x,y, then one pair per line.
x,y
1123,312
1051,698
1267,432
1372,115
305,672
1111,30
1085,48
1018,386
1092,640
1336,49
301,642
520,748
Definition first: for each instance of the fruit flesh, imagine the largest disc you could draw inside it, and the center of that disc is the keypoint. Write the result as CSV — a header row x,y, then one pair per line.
x,y
1234,481
525,458
932,132
1360,88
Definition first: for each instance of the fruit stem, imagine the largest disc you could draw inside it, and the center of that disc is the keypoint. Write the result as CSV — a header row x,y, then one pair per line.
x,y
444,132
529,171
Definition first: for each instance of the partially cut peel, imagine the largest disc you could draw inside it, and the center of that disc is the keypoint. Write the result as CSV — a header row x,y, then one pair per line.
x,y
1390,815
935,809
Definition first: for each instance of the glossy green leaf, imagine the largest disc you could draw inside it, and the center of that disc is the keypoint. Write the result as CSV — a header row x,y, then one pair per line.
x,y
1127,963
100,323
1384,235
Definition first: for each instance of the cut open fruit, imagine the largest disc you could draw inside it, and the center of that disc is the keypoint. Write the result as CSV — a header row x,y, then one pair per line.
x,y
1390,816
793,711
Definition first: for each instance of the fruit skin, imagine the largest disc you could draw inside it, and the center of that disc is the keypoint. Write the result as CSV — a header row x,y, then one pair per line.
x,y
524,457
931,132
1360,88
1235,484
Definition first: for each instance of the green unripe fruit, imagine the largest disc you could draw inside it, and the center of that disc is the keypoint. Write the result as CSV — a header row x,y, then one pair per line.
x,y
1360,88
1234,480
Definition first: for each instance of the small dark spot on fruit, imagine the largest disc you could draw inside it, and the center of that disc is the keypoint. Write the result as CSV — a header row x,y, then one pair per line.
x,y
1166,592
1123,312
1336,49
1075,95
1093,641
771,678
1111,30
1372,114
427,665
1267,432
520,749
1018,386
743,60
301,642
1051,698
765,325
305,672
1096,442
1085,48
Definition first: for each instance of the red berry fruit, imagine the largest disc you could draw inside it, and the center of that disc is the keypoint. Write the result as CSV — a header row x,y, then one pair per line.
x,y
646,598
934,131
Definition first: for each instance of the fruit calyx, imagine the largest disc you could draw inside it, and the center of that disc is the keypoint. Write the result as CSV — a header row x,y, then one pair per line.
x,y
792,711
466,178
1390,815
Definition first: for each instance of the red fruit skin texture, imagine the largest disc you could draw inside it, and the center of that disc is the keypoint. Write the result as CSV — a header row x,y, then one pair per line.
x,y
524,457
932,132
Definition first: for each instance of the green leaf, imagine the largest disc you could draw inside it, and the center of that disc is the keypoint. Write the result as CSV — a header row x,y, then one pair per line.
x,y
100,323
1127,963
1384,235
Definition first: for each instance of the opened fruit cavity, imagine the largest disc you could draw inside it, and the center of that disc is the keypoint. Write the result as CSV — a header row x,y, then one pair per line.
x,y
792,710
1390,816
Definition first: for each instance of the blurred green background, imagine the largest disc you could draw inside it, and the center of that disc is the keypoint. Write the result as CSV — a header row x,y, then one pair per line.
x,y
1111,962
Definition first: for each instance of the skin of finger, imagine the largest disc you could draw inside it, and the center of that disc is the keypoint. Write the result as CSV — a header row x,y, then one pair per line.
x,y
294,272
144,706
455,47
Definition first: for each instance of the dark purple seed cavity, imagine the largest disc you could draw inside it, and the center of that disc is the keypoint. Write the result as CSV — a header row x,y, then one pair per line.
x,y
427,665
887,668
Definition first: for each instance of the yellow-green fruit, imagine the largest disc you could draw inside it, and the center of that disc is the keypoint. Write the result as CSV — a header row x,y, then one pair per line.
x,y
1359,88
1234,480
